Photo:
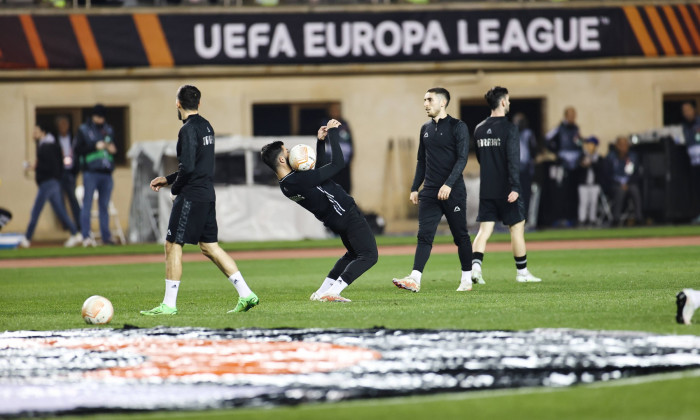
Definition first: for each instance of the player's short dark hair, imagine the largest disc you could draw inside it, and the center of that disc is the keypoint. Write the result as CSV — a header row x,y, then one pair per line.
x,y
270,152
442,92
189,97
494,96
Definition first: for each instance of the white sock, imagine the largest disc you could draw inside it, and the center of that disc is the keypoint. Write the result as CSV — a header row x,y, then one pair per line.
x,y
416,275
476,267
466,275
337,287
327,283
522,271
694,295
237,281
171,289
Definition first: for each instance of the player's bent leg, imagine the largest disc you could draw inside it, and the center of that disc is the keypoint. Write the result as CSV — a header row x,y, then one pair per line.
x,y
246,298
219,257
360,243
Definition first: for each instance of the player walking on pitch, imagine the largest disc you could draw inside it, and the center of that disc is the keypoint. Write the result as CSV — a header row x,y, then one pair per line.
x,y
193,218
498,153
316,192
442,156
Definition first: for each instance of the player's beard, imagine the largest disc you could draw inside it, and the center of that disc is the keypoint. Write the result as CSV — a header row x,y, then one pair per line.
x,y
179,116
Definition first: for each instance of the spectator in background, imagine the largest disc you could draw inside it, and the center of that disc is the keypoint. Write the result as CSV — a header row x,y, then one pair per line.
x,y
528,148
625,173
590,176
691,132
70,165
47,172
565,142
95,146
343,177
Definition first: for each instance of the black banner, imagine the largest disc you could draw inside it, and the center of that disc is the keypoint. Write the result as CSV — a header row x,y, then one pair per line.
x,y
396,37
167,40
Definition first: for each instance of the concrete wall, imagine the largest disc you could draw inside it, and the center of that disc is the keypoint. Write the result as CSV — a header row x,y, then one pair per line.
x,y
378,106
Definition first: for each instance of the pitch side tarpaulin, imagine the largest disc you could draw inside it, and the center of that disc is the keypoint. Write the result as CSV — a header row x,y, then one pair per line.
x,y
97,41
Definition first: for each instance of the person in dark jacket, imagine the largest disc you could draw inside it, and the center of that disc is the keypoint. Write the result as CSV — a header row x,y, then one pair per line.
x,y
95,146
48,169
691,133
624,165
193,217
442,156
565,141
71,165
590,175
498,151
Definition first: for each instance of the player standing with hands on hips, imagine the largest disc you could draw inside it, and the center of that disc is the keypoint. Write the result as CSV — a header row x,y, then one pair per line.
x,y
442,156
498,152
193,218
331,204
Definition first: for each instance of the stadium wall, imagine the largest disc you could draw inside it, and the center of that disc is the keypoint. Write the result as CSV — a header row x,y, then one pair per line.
x,y
381,101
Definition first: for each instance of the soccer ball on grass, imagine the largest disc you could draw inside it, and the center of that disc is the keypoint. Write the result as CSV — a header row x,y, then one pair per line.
x,y
97,310
302,157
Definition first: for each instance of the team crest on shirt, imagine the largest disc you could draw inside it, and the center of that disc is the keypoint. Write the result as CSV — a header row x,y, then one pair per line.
x,y
425,135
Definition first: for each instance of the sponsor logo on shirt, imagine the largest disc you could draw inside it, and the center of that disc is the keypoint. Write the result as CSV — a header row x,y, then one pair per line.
x,y
488,142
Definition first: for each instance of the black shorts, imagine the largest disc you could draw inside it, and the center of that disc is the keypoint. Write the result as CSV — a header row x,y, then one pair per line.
x,y
192,222
495,209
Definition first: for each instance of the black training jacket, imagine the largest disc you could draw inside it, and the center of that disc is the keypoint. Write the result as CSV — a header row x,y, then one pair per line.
x,y
442,154
498,153
315,191
194,179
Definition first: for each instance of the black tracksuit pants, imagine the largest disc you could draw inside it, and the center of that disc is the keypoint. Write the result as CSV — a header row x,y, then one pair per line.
x,y
359,240
430,211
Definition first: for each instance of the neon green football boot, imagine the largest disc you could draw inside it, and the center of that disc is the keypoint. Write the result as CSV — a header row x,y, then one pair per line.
x,y
245,303
161,309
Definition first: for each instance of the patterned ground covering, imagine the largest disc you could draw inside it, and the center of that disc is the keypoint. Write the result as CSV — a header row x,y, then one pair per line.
x,y
55,372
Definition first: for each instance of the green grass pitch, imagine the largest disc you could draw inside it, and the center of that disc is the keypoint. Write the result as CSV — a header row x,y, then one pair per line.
x,y
627,289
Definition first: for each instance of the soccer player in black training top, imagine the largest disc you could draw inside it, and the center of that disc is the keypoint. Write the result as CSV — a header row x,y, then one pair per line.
x,y
193,217
498,153
442,156
316,192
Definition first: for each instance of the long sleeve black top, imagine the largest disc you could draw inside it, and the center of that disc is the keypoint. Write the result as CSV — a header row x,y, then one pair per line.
x,y
49,161
315,191
194,178
442,154
498,152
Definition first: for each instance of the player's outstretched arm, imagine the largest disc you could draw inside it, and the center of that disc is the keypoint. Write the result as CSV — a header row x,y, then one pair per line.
x,y
337,162
321,156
